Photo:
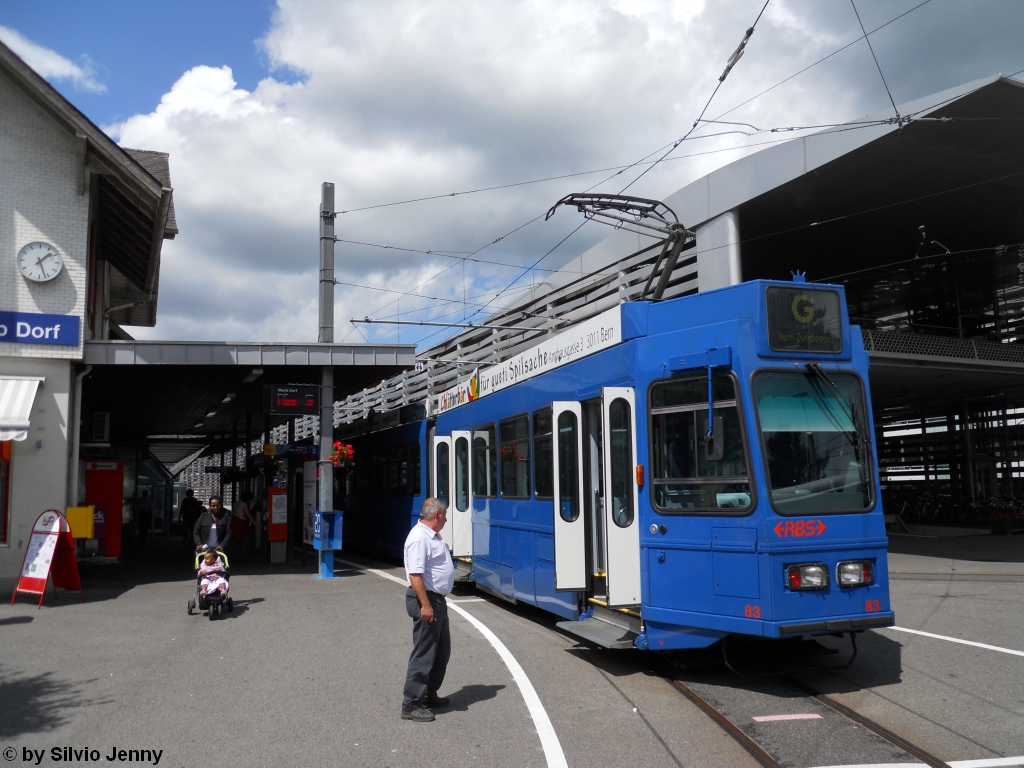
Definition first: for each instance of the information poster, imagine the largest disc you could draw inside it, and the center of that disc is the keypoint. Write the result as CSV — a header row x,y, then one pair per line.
x,y
50,552
279,509
38,558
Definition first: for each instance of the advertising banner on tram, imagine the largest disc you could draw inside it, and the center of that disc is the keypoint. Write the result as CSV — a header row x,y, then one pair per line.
x,y
579,341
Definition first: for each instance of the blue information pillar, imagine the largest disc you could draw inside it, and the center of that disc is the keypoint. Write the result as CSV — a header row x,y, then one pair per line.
x,y
326,539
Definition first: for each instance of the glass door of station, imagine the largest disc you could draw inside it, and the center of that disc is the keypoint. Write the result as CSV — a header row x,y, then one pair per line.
x,y
597,534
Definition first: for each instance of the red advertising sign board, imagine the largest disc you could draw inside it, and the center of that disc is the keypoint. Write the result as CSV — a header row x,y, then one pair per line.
x,y
277,514
104,489
797,528
50,553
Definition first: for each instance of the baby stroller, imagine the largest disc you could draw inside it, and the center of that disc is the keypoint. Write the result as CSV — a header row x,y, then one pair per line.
x,y
216,603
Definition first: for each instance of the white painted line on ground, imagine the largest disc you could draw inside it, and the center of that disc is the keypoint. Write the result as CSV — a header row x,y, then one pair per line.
x,y
962,642
548,738
468,600
995,762
773,718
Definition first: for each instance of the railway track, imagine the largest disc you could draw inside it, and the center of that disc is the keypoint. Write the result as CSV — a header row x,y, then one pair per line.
x,y
773,757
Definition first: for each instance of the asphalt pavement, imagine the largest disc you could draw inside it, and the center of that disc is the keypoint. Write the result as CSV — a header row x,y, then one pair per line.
x,y
310,671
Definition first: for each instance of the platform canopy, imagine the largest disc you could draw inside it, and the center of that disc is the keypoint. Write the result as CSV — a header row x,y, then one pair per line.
x,y
201,391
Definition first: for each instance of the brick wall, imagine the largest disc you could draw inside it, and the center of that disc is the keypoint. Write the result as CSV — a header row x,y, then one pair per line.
x,y
39,201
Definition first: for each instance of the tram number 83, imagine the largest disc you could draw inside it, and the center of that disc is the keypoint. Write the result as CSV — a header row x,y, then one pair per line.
x,y
752,611
872,606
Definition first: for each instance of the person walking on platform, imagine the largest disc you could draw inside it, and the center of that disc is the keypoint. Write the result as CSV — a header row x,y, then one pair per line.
x,y
431,575
213,527
144,517
190,511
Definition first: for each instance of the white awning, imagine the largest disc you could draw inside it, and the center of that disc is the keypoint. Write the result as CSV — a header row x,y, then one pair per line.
x,y
16,396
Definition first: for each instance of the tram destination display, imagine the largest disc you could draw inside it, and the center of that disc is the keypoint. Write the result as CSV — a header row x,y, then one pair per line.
x,y
291,399
804,320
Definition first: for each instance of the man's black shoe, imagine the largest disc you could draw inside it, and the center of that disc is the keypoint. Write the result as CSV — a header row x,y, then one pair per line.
x,y
419,714
437,702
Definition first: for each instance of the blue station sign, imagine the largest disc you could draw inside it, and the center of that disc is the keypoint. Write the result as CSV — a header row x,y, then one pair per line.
x,y
37,328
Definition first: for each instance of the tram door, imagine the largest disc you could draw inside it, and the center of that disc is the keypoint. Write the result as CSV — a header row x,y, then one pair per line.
x,y
441,482
460,512
597,534
621,526
570,519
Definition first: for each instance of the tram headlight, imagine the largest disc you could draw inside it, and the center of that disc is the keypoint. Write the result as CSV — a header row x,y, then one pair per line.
x,y
807,576
855,573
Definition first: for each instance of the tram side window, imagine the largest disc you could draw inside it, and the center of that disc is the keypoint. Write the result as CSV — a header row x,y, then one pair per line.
x,y
378,472
461,474
686,479
359,479
515,457
568,467
398,470
414,469
347,482
441,483
485,463
620,429
543,467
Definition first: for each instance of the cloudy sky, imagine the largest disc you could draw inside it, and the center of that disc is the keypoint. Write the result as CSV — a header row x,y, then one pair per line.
x,y
393,100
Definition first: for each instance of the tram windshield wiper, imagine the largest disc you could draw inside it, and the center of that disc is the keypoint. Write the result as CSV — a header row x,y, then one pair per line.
x,y
849,408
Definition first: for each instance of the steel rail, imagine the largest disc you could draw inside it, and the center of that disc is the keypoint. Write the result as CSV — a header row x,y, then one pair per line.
x,y
893,738
728,726
765,759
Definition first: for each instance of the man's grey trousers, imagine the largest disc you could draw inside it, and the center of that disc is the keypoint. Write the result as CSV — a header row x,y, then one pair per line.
x,y
431,649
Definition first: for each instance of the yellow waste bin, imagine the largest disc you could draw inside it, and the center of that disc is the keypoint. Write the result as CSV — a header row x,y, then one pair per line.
x,y
81,521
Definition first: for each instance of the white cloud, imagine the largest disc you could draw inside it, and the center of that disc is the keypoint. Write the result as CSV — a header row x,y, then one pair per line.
x,y
402,99
50,64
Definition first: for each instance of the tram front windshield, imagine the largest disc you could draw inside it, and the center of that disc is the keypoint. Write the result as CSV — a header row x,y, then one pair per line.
x,y
813,430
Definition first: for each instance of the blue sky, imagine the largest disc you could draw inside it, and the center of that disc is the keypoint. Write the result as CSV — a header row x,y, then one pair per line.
x,y
139,49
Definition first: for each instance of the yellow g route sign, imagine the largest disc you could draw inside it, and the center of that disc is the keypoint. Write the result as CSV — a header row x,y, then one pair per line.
x,y
804,319
803,308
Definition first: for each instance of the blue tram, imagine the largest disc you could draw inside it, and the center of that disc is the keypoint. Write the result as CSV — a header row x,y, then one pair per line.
x,y
661,476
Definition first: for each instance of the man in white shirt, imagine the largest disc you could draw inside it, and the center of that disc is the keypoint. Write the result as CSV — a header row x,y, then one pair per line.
x,y
431,574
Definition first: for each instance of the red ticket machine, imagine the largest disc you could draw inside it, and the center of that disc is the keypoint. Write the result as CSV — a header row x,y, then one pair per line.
x,y
104,488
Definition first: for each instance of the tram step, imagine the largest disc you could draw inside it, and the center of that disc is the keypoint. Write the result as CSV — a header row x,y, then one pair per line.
x,y
599,633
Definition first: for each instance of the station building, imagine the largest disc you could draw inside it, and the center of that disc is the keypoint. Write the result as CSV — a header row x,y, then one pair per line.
x,y
89,415
82,223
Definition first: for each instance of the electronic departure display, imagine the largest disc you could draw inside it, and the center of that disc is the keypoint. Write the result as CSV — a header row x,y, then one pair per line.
x,y
801,319
291,399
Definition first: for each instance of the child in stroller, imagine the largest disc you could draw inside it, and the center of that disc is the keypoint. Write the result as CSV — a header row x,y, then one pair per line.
x,y
212,583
